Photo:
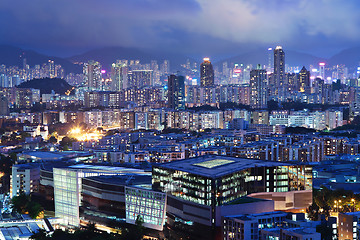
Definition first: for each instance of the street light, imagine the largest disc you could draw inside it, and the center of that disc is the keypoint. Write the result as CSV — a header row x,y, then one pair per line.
x,y
336,205
353,202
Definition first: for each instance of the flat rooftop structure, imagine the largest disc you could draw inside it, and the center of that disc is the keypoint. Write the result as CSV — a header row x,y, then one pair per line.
x,y
27,166
51,156
104,168
22,227
125,179
257,215
215,166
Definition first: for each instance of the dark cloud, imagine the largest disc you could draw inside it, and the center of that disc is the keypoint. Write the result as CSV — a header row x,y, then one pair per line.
x,y
188,26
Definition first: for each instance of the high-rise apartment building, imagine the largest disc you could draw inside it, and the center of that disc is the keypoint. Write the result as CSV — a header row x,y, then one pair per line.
x,y
176,92
270,60
118,76
51,66
206,73
279,73
258,88
139,78
24,179
322,70
165,67
304,80
4,106
92,75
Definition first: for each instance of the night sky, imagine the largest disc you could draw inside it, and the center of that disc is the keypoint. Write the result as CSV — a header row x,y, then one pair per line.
x,y
191,27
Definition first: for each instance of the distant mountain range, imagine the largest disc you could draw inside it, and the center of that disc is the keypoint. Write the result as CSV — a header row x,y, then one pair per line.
x,y
350,57
13,56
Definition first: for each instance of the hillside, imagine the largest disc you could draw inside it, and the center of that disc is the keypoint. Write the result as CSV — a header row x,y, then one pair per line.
x,y
350,57
47,85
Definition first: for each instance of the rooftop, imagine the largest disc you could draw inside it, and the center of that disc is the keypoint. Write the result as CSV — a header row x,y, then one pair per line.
x,y
258,215
214,166
125,179
104,168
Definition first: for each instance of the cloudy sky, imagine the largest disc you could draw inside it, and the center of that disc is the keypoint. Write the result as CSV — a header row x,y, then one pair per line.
x,y
191,27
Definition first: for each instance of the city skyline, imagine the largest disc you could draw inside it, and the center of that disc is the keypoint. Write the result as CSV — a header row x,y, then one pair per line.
x,y
182,119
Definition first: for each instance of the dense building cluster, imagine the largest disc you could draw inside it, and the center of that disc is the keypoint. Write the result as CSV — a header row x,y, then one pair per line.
x,y
202,153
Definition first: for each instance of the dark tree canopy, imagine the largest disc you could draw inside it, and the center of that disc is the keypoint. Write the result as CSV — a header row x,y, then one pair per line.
x,y
47,85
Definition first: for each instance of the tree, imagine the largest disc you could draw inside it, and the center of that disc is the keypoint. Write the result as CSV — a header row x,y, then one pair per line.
x,y
24,135
135,232
40,235
20,202
313,212
79,234
24,205
53,139
66,142
272,105
34,209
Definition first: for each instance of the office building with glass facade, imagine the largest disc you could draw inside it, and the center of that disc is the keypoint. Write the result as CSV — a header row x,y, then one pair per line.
x,y
148,204
68,188
203,189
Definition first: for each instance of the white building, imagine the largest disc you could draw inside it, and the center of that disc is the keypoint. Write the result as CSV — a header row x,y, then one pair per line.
x,y
25,178
334,118
279,118
93,118
212,120
68,188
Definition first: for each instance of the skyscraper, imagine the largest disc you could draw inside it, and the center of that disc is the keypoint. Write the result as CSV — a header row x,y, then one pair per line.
x,y
304,80
92,75
206,73
270,60
176,92
4,106
279,73
258,88
51,66
139,78
118,76
165,67
322,70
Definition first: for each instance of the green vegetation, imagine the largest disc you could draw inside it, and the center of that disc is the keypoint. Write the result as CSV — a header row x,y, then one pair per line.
x,y
296,106
24,205
222,107
47,85
14,138
299,130
53,139
326,200
135,232
89,233
66,143
350,130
